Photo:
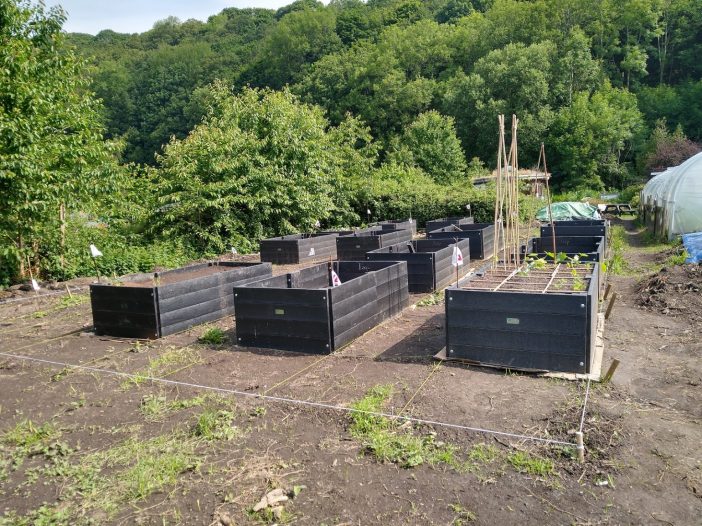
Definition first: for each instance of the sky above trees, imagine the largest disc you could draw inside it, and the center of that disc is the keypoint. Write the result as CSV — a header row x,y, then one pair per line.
x,y
137,16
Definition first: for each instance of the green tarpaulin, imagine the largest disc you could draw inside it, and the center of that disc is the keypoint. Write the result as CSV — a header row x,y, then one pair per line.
x,y
568,211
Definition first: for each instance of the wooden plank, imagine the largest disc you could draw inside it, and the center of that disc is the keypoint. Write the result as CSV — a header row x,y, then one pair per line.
x,y
517,302
237,273
444,222
295,344
223,305
526,322
533,361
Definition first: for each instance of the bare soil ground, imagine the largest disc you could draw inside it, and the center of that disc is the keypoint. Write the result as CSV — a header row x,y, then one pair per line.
x,y
86,446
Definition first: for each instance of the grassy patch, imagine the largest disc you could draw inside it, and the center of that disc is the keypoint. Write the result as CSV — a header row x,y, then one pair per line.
x,y
213,336
530,464
388,442
27,434
216,424
71,301
435,298
483,454
170,362
108,481
677,258
147,466
617,263
24,440
154,407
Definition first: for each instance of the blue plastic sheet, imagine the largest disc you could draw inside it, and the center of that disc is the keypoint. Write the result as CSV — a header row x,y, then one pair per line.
x,y
693,246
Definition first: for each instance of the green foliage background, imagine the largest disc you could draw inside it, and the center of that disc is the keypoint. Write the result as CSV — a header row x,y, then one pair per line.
x,y
195,136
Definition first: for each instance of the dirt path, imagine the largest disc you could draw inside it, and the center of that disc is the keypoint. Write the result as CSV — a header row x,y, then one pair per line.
x,y
642,431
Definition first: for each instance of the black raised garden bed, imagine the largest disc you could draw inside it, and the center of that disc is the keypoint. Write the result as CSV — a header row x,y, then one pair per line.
x,y
298,248
156,305
354,247
588,248
585,248
443,222
578,222
399,224
301,311
429,265
534,322
567,228
481,236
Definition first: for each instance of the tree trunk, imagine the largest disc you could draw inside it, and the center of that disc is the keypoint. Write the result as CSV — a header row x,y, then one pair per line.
x,y
20,247
62,219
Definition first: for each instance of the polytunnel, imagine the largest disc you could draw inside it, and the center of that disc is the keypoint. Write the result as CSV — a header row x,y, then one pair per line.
x,y
671,202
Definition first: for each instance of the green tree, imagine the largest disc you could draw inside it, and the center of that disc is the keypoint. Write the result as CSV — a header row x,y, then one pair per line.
x,y
52,153
515,79
298,40
260,164
453,10
590,138
430,143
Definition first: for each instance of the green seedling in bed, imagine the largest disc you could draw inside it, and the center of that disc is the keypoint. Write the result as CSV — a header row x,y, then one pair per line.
x,y
213,336
532,262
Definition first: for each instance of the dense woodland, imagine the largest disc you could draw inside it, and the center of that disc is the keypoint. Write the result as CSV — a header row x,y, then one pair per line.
x,y
194,137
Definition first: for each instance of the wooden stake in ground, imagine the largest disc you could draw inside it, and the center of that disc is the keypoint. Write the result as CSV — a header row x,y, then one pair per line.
x,y
542,155
35,286
610,306
610,372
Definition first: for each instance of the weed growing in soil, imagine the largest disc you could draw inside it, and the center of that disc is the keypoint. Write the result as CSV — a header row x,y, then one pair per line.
x,y
213,336
166,364
435,298
71,301
154,407
532,465
26,434
463,515
150,465
24,440
390,443
216,424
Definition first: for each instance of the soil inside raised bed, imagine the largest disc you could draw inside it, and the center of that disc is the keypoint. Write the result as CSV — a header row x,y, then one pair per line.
x,y
561,278
176,277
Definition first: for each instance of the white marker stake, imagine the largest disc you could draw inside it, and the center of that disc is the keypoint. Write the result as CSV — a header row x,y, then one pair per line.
x,y
234,252
335,279
35,285
457,259
95,253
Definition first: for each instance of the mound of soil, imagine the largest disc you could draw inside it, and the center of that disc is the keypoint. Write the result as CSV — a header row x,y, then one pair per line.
x,y
674,291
